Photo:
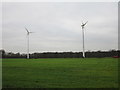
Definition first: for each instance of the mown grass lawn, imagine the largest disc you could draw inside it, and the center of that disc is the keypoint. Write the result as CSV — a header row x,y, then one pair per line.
x,y
60,73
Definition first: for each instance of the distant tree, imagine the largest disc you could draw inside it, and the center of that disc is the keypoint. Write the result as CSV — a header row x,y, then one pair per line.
x,y
2,53
89,54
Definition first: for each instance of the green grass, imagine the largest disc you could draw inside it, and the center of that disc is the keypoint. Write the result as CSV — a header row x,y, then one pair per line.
x,y
60,73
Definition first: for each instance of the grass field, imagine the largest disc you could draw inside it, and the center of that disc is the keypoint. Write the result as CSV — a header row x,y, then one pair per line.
x,y
60,73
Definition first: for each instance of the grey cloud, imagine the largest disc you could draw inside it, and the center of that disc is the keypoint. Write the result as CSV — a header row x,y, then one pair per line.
x,y
57,26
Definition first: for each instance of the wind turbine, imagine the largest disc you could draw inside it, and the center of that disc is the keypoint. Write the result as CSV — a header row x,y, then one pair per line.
x,y
83,26
28,33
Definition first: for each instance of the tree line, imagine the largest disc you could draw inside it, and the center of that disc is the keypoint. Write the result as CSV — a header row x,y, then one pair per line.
x,y
89,54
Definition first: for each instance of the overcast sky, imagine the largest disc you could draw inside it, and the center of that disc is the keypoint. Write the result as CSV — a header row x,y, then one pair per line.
x,y
57,26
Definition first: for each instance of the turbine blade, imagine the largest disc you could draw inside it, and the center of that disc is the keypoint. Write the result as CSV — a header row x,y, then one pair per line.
x,y
86,23
82,22
31,32
26,30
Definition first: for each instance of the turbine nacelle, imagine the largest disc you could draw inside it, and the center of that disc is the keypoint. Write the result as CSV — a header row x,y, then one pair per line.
x,y
83,24
28,32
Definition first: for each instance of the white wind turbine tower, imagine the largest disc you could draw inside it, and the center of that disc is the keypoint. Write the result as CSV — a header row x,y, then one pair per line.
x,y
83,26
28,33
